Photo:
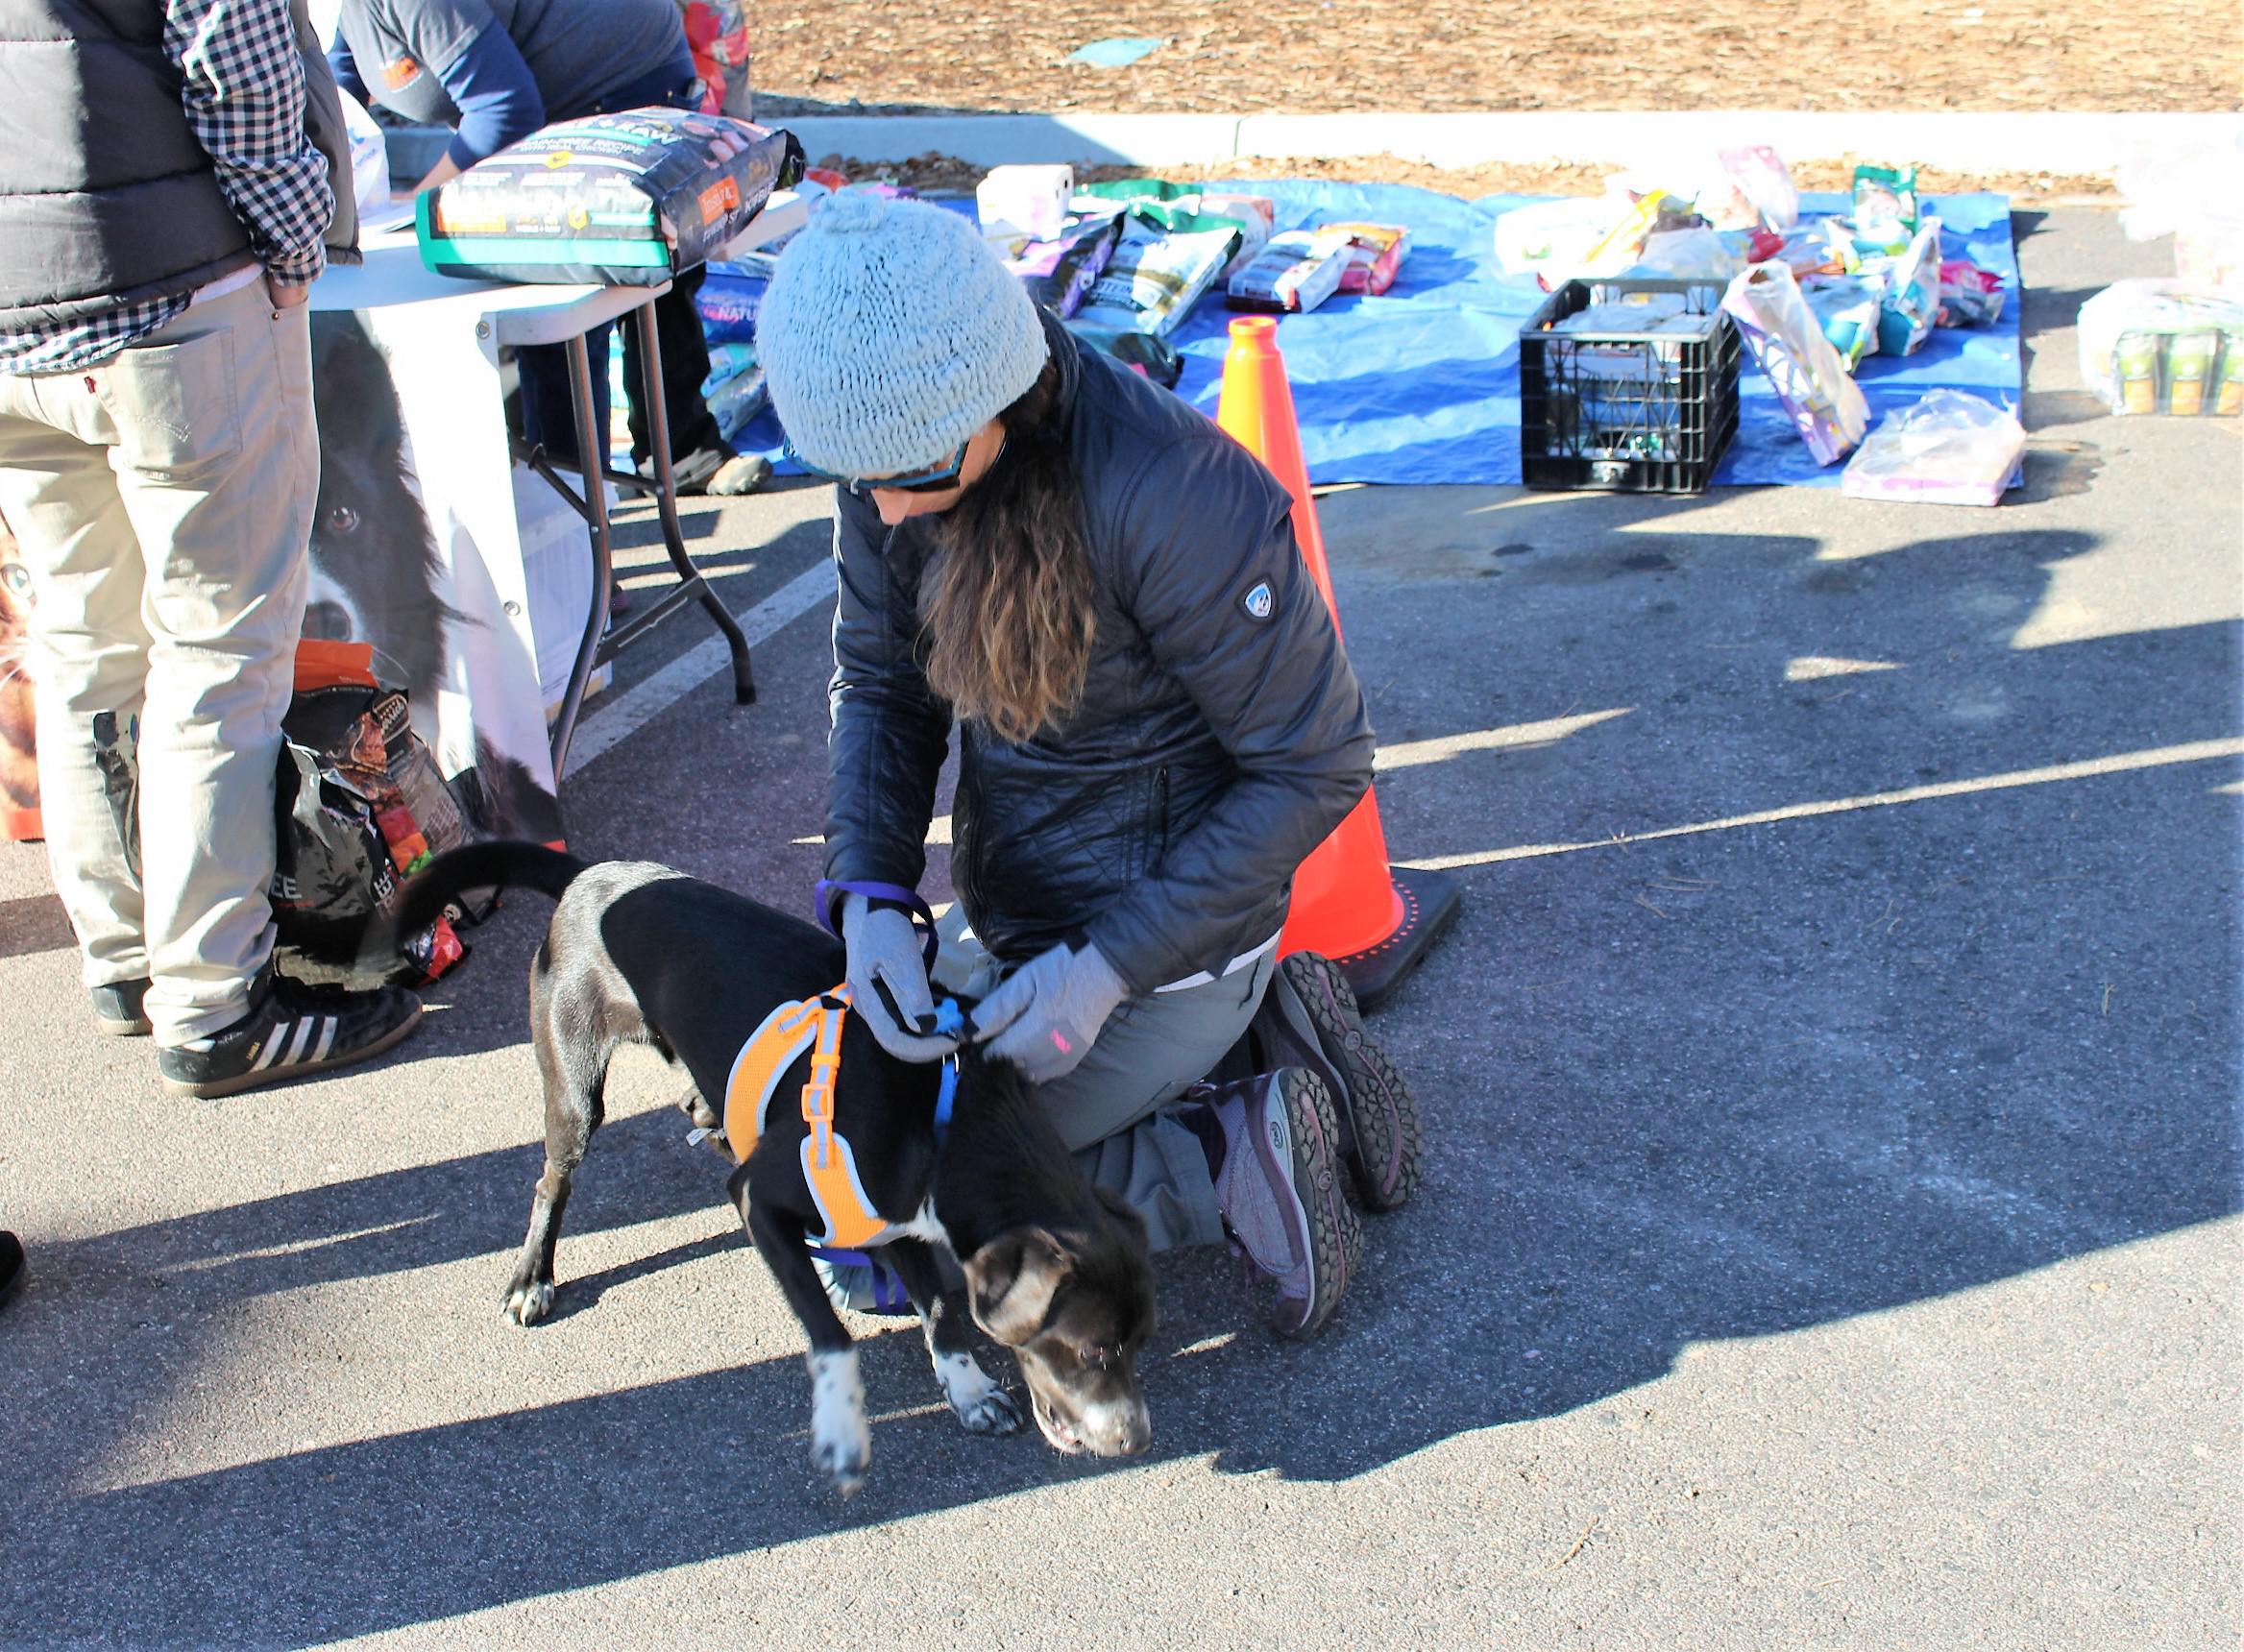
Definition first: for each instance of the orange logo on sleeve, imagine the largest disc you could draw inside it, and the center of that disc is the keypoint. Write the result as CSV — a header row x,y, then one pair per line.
x,y
400,72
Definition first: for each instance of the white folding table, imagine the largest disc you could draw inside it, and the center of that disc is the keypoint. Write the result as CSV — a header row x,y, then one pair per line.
x,y
469,322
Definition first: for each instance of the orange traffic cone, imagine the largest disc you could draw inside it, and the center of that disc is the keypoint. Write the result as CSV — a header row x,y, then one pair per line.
x,y
1373,919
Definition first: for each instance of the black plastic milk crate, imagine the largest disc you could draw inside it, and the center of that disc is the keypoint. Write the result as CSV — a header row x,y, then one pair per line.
x,y
1643,410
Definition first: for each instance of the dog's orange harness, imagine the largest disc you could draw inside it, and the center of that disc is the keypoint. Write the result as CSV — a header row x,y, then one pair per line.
x,y
829,1169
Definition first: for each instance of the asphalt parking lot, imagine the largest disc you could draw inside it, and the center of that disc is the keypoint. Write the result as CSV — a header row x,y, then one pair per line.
x,y
1830,1227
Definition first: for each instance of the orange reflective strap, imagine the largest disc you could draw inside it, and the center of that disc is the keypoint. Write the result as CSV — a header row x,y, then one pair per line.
x,y
817,1094
829,1169
764,1060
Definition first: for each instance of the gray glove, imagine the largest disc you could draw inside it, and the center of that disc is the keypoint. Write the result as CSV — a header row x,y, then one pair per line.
x,y
1046,1013
885,948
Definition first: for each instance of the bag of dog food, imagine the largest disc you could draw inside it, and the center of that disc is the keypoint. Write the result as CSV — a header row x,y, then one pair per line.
x,y
358,805
1296,271
1951,448
1059,273
626,199
1969,296
1912,292
1826,405
1848,308
727,303
1551,239
1151,198
1885,195
1157,273
1374,254
1257,216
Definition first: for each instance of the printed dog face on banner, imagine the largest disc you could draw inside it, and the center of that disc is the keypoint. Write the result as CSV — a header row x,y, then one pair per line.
x,y
394,566
374,568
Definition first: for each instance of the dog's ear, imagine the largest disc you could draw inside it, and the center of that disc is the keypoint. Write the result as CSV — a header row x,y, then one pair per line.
x,y
1010,1283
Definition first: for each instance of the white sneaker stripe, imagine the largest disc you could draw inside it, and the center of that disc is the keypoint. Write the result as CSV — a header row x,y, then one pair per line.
x,y
303,1040
265,1056
327,1038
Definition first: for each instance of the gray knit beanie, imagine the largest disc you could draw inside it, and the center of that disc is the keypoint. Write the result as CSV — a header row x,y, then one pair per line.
x,y
891,333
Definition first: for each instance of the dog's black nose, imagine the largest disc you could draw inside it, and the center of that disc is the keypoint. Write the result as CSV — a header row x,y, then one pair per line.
x,y
327,622
1133,1433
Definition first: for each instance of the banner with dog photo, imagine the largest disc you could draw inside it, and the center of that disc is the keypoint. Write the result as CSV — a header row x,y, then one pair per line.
x,y
420,549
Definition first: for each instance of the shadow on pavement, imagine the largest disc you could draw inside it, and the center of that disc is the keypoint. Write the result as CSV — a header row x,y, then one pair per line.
x,y
1861,956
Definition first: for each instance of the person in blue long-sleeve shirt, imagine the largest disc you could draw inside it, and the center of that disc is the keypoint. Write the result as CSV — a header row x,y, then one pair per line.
x,y
497,70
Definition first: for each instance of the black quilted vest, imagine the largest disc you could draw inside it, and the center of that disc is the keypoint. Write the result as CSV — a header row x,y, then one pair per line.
x,y
106,198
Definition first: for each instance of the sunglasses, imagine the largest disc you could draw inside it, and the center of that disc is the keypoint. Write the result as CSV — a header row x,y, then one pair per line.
x,y
937,479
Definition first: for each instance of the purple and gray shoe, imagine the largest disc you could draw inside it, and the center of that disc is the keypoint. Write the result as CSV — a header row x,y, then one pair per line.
x,y
1280,1187
1309,1019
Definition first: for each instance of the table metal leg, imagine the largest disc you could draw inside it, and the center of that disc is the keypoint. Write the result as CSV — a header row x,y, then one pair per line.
x,y
601,644
692,584
591,443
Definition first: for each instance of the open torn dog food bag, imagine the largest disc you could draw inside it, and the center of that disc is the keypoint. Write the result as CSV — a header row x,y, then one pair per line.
x,y
627,199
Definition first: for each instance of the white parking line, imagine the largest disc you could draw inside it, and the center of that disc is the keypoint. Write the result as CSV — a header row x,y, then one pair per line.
x,y
2091,768
631,711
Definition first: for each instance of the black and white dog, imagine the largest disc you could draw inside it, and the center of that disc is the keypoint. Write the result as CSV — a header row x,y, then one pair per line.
x,y
1055,1269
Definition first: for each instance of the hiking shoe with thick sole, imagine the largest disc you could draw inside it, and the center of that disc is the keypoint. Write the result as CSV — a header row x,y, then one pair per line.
x,y
1310,1018
119,1007
1280,1189
290,1032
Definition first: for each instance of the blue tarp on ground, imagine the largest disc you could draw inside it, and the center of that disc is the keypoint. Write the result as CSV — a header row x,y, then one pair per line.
x,y
1421,383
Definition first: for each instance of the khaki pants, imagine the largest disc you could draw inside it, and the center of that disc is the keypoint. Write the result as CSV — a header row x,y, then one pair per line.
x,y
164,500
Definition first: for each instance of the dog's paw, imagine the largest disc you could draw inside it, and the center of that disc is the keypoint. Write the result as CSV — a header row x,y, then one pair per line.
x,y
528,1303
703,1115
840,1441
976,1400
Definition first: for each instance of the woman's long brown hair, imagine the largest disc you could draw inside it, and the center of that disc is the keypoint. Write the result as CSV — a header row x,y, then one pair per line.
x,y
1006,614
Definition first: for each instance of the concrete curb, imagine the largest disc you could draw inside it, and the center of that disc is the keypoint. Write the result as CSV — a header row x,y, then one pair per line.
x,y
2038,144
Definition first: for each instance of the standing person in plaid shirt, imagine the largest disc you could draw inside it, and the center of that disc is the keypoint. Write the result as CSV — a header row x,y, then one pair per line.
x,y
163,207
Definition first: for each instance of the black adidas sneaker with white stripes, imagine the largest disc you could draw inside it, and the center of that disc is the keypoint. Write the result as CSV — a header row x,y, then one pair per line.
x,y
291,1029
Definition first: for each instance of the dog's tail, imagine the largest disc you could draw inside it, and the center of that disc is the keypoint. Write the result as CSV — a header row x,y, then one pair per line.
x,y
496,864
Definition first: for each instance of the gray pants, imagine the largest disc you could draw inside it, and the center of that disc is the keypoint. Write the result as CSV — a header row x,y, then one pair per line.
x,y
1110,1109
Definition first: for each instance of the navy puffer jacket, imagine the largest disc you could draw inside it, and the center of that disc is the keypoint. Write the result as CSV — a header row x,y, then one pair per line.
x,y
1221,735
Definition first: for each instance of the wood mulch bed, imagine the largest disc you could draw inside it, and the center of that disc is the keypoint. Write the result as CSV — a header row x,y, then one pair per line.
x,y
1313,56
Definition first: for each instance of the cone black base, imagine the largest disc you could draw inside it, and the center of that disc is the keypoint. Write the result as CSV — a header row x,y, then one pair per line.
x,y
1430,905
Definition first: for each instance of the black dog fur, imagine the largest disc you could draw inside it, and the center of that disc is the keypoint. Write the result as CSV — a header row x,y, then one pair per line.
x,y
1055,1269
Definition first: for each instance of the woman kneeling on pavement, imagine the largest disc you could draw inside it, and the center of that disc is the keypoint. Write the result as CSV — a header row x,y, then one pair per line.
x,y
1156,724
